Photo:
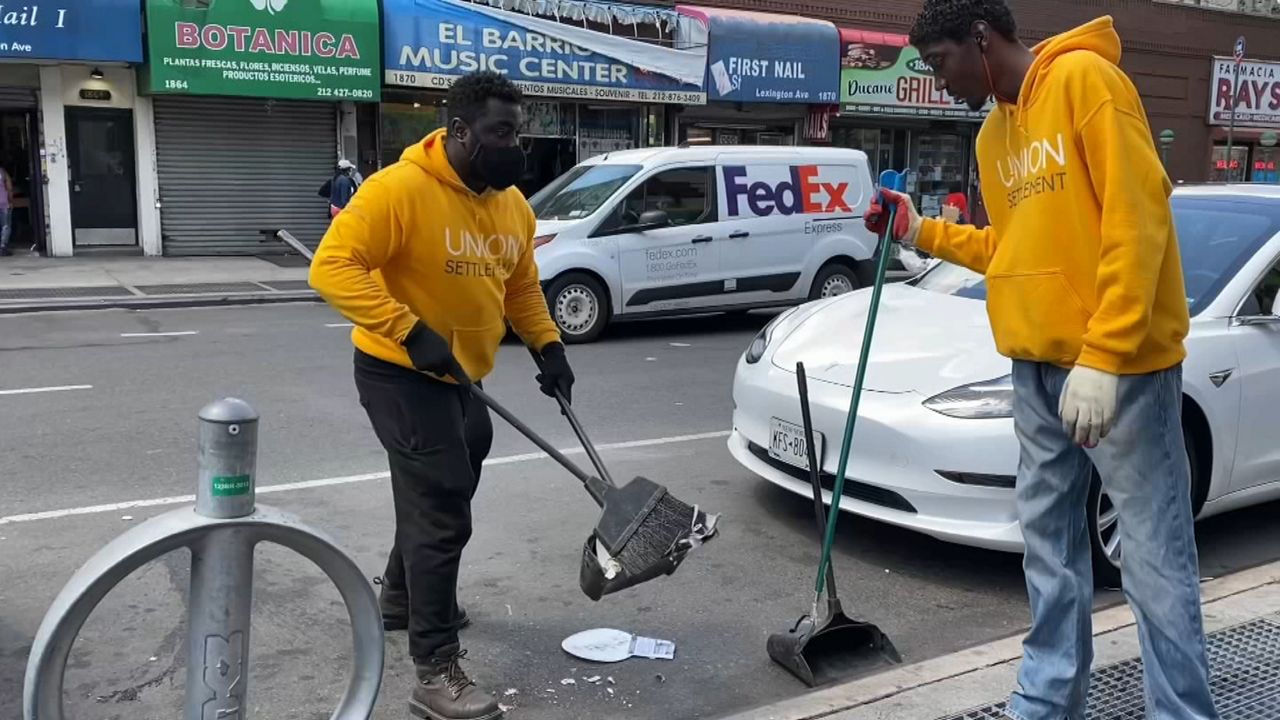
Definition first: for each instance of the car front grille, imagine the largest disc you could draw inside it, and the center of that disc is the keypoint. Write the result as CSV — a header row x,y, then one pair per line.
x,y
852,488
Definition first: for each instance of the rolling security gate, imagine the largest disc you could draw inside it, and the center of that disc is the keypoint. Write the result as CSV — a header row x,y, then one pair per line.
x,y
230,168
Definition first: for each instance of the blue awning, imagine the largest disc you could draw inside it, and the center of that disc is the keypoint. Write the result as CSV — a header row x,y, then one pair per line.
x,y
761,57
86,30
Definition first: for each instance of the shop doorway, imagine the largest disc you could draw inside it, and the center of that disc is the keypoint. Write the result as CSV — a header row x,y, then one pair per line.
x,y
546,158
104,208
18,157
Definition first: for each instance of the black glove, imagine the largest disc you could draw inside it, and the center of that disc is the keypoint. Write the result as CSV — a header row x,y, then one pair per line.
x,y
430,353
556,374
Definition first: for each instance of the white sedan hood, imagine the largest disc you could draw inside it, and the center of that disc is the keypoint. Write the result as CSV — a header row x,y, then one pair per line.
x,y
924,341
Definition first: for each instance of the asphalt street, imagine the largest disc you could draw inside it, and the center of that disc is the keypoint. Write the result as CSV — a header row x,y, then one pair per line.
x,y
120,426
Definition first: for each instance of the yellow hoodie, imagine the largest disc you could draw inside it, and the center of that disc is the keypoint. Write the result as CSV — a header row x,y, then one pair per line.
x,y
1081,258
415,243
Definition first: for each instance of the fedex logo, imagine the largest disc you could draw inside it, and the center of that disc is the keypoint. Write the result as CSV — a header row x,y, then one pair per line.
x,y
807,190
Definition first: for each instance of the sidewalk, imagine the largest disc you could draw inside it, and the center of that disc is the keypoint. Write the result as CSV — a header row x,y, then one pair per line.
x,y
32,284
1242,618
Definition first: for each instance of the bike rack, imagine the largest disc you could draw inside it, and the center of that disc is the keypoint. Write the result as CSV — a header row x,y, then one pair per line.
x,y
221,532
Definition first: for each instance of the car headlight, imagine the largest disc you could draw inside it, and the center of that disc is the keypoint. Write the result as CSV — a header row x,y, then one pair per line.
x,y
980,400
760,343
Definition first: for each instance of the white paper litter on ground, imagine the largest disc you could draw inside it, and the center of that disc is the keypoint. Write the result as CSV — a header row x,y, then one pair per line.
x,y
610,645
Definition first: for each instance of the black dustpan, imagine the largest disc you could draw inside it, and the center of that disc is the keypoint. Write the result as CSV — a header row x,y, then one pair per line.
x,y
817,649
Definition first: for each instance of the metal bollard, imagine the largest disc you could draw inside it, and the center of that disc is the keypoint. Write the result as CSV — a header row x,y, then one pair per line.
x,y
221,532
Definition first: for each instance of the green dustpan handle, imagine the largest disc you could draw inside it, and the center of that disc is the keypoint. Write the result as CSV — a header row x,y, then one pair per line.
x,y
893,181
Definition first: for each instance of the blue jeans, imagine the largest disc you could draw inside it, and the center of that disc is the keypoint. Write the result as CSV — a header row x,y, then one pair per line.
x,y
6,226
1144,470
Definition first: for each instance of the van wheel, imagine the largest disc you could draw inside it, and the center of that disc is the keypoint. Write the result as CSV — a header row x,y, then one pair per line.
x,y
834,279
579,306
1104,522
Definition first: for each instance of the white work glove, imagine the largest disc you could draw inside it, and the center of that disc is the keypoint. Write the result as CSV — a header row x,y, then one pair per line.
x,y
1088,405
906,221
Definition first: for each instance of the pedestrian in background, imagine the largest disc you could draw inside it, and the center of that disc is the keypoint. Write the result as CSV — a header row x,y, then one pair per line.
x,y
6,212
342,187
430,261
1086,295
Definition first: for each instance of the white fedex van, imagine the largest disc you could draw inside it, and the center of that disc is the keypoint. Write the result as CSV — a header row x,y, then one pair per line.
x,y
688,230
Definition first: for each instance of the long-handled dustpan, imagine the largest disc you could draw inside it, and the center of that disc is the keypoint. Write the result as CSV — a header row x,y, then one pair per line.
x,y
818,649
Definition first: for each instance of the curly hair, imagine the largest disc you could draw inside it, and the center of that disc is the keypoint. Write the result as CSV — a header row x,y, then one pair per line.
x,y
470,94
953,20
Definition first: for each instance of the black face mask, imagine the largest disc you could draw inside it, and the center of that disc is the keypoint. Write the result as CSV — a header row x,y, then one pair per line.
x,y
498,167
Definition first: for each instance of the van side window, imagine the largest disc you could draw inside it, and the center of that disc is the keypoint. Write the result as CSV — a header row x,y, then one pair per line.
x,y
685,194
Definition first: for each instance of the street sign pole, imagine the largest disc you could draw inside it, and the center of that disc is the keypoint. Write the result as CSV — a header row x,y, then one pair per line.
x,y
1238,53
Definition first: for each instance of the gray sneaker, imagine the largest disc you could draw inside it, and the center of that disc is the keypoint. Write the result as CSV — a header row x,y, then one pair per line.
x,y
444,692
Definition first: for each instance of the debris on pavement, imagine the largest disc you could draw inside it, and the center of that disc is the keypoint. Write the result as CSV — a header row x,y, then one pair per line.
x,y
610,680
568,681
510,691
660,678
593,679
126,517
679,344
609,645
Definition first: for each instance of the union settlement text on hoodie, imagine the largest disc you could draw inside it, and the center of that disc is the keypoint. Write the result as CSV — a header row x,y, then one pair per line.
x,y
415,243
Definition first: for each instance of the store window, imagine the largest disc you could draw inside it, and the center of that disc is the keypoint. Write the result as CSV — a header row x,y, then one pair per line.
x,y
402,124
603,129
877,143
1233,171
684,194
938,161
1266,165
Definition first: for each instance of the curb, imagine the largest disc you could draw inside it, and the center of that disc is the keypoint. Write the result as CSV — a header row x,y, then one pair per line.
x,y
159,302
825,702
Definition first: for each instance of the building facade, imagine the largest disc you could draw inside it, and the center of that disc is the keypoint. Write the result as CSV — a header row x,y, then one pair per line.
x,y
1171,50
243,107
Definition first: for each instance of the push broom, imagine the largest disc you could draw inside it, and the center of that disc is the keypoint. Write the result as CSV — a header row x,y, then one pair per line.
x,y
818,649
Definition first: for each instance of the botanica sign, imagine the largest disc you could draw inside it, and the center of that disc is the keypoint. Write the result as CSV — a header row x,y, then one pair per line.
x,y
301,49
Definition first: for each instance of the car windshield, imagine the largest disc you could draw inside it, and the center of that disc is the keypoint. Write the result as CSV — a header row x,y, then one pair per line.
x,y
581,191
1216,237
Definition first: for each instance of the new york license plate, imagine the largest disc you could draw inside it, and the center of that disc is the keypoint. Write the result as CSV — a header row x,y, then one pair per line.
x,y
787,443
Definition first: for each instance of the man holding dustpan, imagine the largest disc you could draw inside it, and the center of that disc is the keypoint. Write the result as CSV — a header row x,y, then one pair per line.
x,y
1086,296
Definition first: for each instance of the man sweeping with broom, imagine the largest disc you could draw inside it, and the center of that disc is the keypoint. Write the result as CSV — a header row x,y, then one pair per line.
x,y
429,260
1085,294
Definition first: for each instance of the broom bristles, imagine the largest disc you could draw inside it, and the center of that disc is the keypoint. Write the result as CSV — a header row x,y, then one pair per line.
x,y
669,522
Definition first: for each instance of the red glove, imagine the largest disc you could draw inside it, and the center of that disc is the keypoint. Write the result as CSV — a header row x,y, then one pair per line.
x,y
906,221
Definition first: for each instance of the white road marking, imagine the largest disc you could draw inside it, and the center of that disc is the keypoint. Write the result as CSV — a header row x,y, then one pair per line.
x,y
339,325
160,334
343,480
55,388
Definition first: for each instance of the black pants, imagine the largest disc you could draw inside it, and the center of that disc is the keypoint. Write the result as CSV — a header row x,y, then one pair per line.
x,y
436,436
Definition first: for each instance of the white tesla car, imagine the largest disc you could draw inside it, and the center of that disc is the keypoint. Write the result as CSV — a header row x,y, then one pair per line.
x,y
934,448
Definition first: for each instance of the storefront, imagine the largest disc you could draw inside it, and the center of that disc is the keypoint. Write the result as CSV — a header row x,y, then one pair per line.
x,y
766,74
891,109
254,104
588,91
68,132
1253,152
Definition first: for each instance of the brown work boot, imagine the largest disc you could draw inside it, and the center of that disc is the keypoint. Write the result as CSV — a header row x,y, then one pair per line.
x,y
394,604
444,692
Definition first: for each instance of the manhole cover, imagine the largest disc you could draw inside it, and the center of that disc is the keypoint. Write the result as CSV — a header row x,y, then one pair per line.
x,y
1244,673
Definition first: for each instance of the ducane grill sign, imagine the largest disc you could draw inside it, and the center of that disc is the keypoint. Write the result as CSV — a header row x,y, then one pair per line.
x,y
297,49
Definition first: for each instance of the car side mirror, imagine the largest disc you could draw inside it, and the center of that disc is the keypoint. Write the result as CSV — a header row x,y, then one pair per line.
x,y
651,220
